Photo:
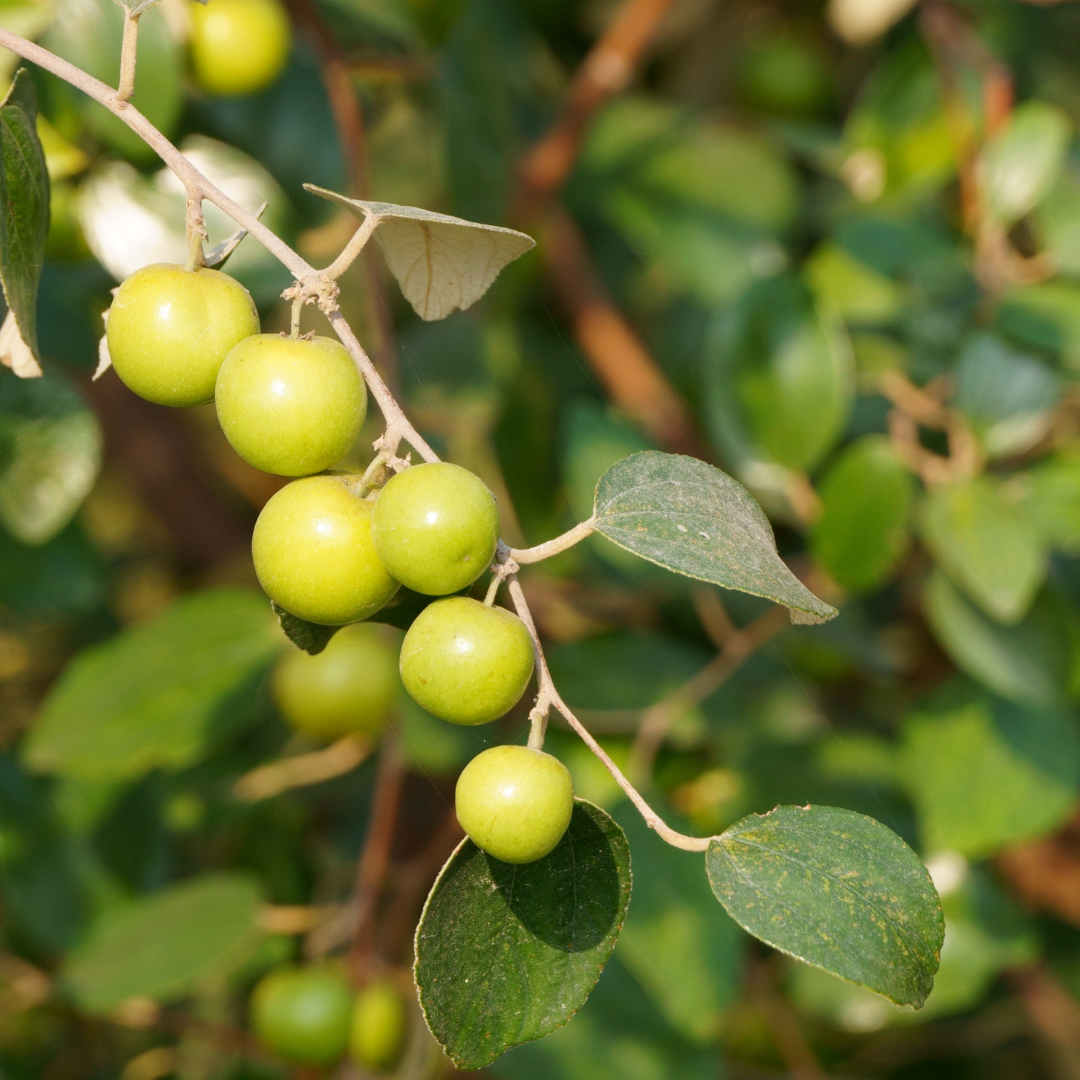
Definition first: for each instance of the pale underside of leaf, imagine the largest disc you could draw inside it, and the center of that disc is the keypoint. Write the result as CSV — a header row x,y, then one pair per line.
x,y
690,517
442,263
837,890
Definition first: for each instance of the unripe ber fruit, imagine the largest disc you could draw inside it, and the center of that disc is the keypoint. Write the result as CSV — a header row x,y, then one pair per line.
x,y
465,662
239,46
349,687
514,802
436,526
314,556
170,329
303,1014
290,406
378,1027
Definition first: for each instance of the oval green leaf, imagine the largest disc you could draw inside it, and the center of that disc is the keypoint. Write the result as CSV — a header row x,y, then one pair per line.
x,y
163,945
441,262
865,505
24,205
836,889
506,954
690,517
156,696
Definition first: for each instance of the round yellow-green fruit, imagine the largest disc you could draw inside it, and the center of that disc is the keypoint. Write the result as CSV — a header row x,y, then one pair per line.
x,y
348,688
515,803
303,1014
378,1026
239,46
170,329
465,662
436,527
288,405
314,556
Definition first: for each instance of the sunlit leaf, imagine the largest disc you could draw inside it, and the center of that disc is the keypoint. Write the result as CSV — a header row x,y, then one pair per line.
x,y
442,263
506,954
690,517
836,889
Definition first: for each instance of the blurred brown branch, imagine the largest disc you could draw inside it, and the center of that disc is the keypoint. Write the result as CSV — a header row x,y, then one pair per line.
x,y
1046,873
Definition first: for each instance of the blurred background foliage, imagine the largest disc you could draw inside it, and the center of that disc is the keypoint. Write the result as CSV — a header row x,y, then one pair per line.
x,y
835,249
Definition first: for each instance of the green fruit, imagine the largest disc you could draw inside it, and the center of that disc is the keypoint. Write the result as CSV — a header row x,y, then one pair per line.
x,y
314,556
239,46
378,1027
514,802
290,406
436,527
170,329
303,1014
465,662
349,687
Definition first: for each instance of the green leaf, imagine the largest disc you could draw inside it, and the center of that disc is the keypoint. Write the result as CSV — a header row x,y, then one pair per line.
x,y
863,529
985,545
309,636
89,34
1050,493
441,263
1032,662
163,945
1020,164
679,947
690,517
836,889
506,954
985,774
857,292
24,206
778,378
50,453
1046,315
156,695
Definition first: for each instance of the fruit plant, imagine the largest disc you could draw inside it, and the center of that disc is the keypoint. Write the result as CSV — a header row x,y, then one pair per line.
x,y
624,689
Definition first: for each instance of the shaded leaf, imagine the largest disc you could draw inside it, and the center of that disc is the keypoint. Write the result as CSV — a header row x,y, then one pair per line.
x,y
156,695
857,292
1046,315
863,529
50,453
309,636
441,263
1032,662
24,205
506,954
985,774
690,517
1050,493
985,545
163,945
836,889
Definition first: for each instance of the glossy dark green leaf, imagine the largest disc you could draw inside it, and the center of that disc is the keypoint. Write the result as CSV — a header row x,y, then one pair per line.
x,y
862,532
506,954
24,205
985,545
836,889
778,378
311,637
50,453
692,518
1033,662
156,696
161,946
984,774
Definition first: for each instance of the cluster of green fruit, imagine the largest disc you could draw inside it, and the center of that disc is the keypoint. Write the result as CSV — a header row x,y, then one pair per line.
x,y
329,553
309,1015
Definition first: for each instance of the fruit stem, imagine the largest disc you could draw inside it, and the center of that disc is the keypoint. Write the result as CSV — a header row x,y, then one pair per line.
x,y
126,86
548,693
196,232
297,308
493,589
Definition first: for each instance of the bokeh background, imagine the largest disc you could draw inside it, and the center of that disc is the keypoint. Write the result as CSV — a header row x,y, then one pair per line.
x,y
832,248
